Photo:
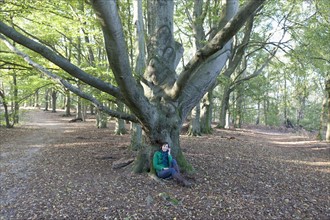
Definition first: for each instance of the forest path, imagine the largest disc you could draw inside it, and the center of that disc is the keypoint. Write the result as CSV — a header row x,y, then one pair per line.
x,y
53,169
21,145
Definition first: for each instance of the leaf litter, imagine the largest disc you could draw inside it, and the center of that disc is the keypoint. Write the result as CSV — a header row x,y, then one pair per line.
x,y
51,169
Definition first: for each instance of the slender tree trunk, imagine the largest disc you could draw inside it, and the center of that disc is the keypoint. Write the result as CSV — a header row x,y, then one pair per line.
x,y
224,107
266,110
54,98
5,106
301,110
91,107
285,100
323,111
206,113
227,125
67,103
46,99
16,105
101,119
79,108
258,113
36,99
120,123
239,103
327,136
194,126
140,64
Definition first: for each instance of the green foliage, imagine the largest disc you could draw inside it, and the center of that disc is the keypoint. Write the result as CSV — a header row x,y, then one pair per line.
x,y
311,120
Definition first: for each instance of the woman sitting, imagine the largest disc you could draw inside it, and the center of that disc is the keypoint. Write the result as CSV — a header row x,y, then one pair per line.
x,y
166,166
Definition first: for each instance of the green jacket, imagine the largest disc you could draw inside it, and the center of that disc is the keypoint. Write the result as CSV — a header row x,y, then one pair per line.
x,y
158,161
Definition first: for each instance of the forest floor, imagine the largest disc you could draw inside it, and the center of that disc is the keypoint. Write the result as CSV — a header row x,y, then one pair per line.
x,y
53,169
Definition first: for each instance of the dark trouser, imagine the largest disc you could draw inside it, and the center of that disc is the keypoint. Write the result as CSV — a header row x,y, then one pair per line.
x,y
174,168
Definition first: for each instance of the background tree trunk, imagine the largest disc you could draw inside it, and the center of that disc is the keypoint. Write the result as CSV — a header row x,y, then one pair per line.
x,y
327,136
120,123
46,99
194,125
54,98
16,104
224,106
136,137
239,106
5,106
101,119
206,113
67,103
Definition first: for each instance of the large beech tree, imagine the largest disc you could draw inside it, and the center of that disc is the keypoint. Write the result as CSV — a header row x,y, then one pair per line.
x,y
161,98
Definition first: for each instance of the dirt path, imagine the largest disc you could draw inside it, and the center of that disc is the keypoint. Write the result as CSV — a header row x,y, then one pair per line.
x,y
19,148
52,169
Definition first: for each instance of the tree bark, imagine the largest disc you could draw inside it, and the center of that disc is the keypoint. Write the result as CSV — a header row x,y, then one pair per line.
x,y
194,126
136,137
54,98
16,104
327,136
120,123
224,107
239,108
206,113
5,106
101,119
67,102
46,99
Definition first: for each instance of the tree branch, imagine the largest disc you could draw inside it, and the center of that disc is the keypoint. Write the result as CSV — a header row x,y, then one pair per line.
x,y
67,85
107,13
59,61
212,47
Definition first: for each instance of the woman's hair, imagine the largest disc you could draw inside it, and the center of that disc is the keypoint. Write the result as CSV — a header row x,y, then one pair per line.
x,y
164,144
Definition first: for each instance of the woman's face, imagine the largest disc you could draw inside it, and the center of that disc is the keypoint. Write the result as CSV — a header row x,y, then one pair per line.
x,y
165,147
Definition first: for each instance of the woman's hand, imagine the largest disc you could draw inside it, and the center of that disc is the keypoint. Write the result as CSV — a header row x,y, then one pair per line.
x,y
169,151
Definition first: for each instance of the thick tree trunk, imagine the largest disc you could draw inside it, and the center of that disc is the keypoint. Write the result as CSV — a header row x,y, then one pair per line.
x,y
136,137
143,162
